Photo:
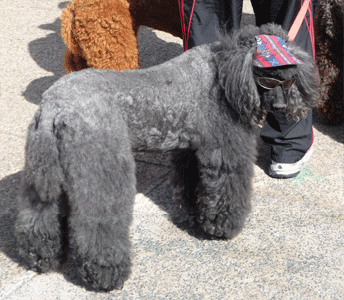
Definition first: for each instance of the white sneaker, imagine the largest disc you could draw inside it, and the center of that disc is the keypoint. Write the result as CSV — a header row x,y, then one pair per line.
x,y
281,170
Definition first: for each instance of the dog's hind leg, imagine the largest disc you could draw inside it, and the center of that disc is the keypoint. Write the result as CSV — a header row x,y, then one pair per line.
x,y
224,191
101,188
185,179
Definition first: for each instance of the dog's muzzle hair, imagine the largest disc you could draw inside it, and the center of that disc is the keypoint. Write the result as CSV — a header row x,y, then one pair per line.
x,y
236,76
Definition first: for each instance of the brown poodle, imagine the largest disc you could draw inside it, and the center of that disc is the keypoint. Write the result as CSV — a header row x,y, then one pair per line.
x,y
329,57
103,33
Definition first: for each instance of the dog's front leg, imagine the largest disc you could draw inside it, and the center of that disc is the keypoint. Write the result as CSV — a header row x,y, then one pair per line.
x,y
224,192
185,180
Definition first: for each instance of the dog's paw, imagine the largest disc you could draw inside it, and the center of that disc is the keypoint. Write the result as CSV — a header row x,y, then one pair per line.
x,y
34,260
222,225
104,278
42,264
40,255
39,241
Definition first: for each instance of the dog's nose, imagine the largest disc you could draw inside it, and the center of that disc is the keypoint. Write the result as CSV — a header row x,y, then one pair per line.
x,y
279,106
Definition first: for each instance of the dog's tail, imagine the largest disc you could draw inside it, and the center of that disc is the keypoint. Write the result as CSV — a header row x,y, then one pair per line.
x,y
43,170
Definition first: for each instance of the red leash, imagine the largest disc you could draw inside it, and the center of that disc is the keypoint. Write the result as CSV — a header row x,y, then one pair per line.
x,y
182,18
294,29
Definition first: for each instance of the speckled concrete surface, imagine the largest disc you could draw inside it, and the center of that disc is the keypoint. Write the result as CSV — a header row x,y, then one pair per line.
x,y
291,248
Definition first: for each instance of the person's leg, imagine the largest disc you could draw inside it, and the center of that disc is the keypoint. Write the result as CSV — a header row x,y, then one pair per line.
x,y
289,140
208,17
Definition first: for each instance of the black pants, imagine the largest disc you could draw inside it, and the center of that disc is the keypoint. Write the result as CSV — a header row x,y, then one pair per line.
x,y
289,140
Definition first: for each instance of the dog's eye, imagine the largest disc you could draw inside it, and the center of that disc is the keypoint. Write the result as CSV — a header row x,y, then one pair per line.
x,y
268,83
287,84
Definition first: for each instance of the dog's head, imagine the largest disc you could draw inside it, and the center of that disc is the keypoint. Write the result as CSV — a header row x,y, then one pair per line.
x,y
252,90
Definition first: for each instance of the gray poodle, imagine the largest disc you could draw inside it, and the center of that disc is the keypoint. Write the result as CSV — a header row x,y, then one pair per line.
x,y
203,107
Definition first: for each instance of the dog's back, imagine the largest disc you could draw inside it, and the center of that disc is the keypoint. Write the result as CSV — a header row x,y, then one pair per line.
x,y
155,103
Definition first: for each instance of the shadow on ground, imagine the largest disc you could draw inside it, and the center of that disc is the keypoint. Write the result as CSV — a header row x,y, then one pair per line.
x,y
47,52
336,132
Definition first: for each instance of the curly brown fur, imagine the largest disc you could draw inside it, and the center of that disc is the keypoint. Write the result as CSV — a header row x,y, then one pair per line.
x,y
79,150
329,58
103,33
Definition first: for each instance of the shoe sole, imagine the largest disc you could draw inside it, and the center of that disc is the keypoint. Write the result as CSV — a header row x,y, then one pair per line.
x,y
285,174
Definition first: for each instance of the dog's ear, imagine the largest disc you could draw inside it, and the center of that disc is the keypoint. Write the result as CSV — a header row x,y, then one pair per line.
x,y
307,81
236,78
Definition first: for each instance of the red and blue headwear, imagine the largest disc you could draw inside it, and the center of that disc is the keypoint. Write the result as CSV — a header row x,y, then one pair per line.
x,y
272,51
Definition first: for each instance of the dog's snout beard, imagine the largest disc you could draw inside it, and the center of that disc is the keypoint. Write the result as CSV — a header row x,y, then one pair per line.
x,y
276,100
